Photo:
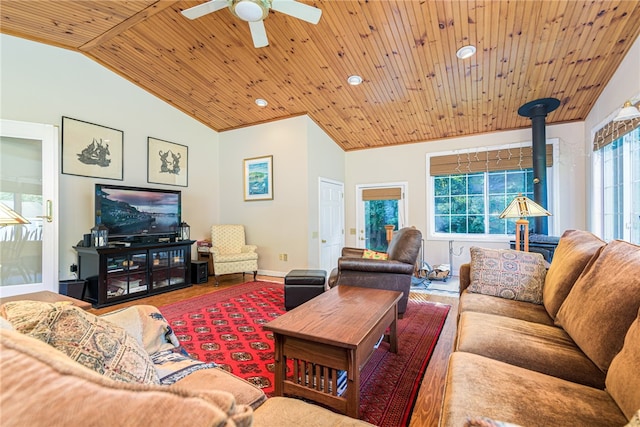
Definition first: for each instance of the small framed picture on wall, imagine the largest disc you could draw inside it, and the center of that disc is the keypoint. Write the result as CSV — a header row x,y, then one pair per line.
x,y
258,178
167,163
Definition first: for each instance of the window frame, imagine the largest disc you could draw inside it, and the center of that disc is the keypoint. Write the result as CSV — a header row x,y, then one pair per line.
x,y
598,189
552,196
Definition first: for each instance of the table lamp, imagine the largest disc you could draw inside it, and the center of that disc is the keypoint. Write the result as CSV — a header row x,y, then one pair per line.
x,y
522,207
10,217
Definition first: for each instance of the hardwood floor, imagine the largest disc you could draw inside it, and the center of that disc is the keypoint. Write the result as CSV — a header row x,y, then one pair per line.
x,y
429,400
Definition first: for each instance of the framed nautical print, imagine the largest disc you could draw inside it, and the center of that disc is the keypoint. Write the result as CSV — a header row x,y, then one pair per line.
x,y
91,150
167,162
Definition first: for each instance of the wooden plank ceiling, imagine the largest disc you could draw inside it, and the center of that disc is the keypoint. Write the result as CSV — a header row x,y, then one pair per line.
x,y
415,88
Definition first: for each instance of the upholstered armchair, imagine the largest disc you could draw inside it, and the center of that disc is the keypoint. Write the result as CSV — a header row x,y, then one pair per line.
x,y
394,273
230,252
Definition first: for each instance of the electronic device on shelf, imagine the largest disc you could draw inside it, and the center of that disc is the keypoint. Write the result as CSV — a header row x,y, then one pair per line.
x,y
136,214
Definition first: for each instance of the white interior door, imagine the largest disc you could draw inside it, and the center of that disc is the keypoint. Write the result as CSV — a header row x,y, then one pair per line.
x,y
331,222
28,187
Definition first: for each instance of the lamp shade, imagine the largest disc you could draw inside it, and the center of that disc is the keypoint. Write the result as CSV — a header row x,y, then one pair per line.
x,y
522,207
628,112
10,217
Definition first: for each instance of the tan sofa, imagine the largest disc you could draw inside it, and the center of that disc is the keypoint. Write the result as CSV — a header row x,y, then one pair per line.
x,y
571,360
69,367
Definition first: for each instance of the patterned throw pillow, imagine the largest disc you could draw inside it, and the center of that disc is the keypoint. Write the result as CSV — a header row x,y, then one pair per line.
x,y
369,254
507,274
93,342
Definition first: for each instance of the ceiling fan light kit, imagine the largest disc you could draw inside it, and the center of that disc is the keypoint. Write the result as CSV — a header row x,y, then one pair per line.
x,y
250,10
255,11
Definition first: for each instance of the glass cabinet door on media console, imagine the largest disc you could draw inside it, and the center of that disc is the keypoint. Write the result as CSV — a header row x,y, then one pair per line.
x,y
126,274
115,274
168,266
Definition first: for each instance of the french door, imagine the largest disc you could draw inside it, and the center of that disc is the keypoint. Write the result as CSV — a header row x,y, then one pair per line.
x,y
379,205
29,221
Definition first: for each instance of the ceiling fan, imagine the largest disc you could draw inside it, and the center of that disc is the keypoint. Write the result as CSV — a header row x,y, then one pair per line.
x,y
255,11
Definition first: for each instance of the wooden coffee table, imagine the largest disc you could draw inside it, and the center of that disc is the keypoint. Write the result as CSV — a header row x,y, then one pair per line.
x,y
328,340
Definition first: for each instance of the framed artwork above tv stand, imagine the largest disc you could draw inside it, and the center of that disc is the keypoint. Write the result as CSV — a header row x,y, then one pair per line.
x,y
133,269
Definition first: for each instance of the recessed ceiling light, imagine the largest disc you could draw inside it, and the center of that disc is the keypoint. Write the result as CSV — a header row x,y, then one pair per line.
x,y
354,80
466,52
261,102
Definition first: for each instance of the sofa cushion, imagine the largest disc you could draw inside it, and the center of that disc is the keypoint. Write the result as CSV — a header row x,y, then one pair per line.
x,y
604,302
89,340
574,251
625,370
218,379
284,411
542,348
59,391
479,303
478,386
507,274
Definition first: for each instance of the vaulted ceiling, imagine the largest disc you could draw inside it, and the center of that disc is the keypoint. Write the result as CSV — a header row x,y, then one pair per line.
x,y
415,89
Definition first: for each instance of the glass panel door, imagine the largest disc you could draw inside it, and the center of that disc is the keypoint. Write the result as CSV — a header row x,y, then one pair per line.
x,y
380,206
28,225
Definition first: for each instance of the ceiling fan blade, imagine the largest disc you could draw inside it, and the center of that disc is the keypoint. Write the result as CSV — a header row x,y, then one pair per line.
x,y
205,8
258,34
297,10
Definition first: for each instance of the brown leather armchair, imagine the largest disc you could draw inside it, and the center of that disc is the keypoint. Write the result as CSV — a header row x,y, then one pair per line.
x,y
393,273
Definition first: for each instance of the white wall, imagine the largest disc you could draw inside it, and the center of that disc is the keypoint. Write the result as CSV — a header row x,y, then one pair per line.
x,y
40,83
623,86
285,225
408,163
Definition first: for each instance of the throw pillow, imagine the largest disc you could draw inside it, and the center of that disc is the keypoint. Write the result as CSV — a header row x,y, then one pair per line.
x,y
575,249
486,422
507,274
95,343
603,302
147,325
369,254
635,420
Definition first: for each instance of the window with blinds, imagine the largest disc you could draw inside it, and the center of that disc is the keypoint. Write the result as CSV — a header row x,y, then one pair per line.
x,y
470,190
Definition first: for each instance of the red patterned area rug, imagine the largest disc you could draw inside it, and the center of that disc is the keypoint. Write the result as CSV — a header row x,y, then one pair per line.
x,y
225,327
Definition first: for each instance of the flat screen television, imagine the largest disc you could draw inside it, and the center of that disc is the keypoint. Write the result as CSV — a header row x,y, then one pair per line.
x,y
133,212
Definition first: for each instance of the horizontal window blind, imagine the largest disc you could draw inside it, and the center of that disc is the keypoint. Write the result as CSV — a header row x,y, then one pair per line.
x,y
487,161
391,193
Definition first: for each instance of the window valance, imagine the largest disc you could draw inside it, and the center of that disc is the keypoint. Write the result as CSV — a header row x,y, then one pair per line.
x,y
487,161
614,130
391,193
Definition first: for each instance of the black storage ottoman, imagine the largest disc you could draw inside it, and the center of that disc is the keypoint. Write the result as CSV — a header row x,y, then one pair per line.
x,y
302,285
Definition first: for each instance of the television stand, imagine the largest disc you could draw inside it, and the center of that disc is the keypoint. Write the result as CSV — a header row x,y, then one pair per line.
x,y
117,273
